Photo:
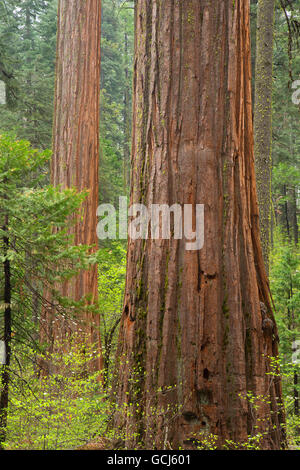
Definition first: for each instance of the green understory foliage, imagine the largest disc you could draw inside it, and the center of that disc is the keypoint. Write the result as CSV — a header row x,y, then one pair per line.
x,y
36,242
285,285
64,410
112,271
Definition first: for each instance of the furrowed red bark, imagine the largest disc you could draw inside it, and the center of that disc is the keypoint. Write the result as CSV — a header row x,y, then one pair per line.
x,y
76,142
197,327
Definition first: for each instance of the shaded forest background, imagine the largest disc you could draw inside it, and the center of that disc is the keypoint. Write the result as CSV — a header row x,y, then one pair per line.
x,y
39,416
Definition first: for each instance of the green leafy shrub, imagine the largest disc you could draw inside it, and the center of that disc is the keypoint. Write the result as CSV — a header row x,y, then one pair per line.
x,y
59,411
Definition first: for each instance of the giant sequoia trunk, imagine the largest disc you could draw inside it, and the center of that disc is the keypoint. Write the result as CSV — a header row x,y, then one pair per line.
x,y
263,117
76,143
197,326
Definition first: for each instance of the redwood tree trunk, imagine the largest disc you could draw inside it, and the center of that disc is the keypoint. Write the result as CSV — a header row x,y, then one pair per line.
x,y
76,139
197,326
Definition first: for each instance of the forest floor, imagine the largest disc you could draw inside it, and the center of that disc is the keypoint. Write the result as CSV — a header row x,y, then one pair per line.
x,y
98,444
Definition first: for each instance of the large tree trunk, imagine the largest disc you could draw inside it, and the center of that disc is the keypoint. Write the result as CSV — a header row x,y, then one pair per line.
x,y
76,141
263,117
197,326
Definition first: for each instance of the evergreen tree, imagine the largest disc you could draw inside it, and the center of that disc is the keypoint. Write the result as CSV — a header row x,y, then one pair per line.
x,y
36,253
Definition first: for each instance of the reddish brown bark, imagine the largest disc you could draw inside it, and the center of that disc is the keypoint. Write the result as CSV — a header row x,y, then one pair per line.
x,y
197,326
76,142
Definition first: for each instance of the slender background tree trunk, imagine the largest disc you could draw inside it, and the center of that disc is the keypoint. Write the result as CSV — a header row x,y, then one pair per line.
x,y
197,326
5,373
263,117
126,118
